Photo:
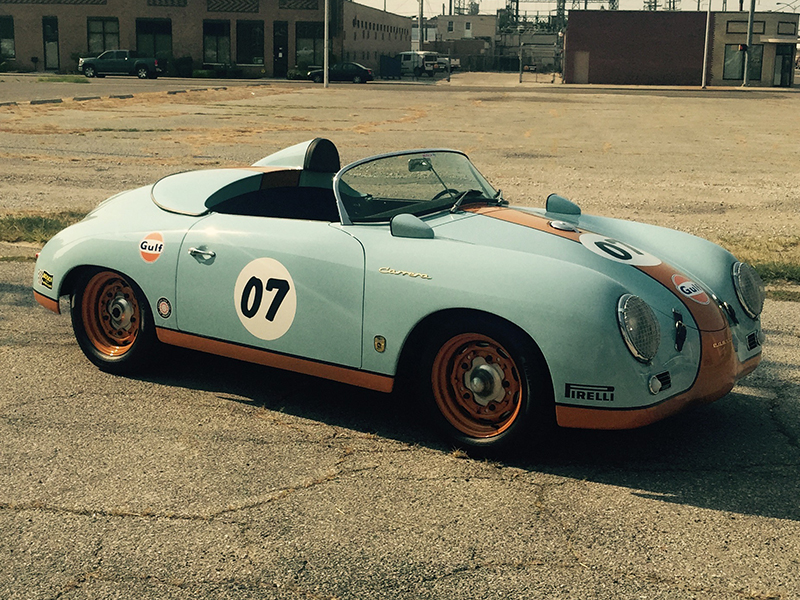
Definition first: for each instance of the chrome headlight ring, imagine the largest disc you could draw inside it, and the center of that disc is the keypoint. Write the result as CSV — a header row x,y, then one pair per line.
x,y
639,327
749,288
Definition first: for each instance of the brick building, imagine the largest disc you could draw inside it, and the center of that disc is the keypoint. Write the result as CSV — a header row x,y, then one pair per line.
x,y
667,48
259,37
370,33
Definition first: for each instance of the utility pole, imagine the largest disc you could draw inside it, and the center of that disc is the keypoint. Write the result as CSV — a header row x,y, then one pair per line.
x,y
707,44
420,25
325,37
747,50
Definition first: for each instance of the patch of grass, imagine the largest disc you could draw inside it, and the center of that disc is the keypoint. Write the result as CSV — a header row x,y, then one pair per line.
x,y
36,228
63,79
775,257
778,271
17,259
784,295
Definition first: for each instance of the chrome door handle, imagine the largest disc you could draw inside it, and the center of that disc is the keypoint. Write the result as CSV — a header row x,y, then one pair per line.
x,y
202,253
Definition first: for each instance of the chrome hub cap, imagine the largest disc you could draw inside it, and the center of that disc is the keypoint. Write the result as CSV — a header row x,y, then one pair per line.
x,y
485,381
120,310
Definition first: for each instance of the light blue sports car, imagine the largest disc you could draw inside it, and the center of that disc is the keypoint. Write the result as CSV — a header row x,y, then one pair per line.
x,y
411,267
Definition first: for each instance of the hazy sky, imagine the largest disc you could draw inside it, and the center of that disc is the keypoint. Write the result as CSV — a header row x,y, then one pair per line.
x,y
434,7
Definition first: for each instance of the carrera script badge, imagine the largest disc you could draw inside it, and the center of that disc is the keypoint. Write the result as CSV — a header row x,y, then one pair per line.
x,y
390,271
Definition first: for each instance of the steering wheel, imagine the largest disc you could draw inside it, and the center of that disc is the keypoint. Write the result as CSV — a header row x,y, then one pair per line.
x,y
453,193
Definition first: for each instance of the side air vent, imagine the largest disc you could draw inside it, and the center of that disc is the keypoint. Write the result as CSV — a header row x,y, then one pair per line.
x,y
752,341
665,379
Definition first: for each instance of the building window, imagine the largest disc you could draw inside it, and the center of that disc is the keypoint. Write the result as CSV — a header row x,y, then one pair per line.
x,y
217,42
449,27
103,35
7,38
787,28
309,42
298,4
154,37
734,62
741,27
250,42
232,6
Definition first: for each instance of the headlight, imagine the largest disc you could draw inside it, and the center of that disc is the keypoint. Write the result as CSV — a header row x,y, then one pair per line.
x,y
749,289
639,327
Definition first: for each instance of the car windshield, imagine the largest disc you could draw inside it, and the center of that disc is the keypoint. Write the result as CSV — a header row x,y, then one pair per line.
x,y
417,183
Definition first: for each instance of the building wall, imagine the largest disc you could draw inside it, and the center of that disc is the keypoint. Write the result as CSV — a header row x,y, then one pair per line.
x,y
771,31
634,47
369,33
186,18
459,27
667,48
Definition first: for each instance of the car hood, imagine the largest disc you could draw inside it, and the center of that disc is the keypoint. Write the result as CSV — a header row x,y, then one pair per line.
x,y
617,249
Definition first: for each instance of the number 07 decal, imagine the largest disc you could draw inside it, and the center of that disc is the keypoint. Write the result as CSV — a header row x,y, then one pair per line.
x,y
265,298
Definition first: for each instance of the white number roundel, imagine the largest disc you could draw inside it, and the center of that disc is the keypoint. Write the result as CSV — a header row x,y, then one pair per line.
x,y
618,251
265,298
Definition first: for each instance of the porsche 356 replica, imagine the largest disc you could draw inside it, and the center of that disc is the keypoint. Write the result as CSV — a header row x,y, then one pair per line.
x,y
410,267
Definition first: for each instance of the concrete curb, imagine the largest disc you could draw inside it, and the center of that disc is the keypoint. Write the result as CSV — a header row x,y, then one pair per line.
x,y
122,96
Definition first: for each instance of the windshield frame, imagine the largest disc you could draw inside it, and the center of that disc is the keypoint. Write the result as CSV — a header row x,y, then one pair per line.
x,y
337,182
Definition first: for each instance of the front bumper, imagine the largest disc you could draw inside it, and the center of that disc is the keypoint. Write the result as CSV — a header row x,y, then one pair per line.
x,y
719,371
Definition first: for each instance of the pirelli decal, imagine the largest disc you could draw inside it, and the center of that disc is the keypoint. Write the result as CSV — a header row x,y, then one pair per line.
x,y
597,393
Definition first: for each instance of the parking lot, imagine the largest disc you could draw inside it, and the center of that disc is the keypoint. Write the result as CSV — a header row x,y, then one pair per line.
x,y
207,478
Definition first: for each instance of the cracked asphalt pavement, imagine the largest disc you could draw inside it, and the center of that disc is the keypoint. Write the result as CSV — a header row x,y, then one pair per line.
x,y
215,479
208,478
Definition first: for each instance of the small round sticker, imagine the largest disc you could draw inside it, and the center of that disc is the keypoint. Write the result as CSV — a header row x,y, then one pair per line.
x,y
618,251
265,298
690,289
164,308
151,247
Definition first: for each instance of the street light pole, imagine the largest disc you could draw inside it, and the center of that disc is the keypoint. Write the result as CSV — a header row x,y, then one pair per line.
x,y
326,41
748,49
707,44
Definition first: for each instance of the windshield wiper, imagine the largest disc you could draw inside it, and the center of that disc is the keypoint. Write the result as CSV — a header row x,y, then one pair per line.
x,y
462,196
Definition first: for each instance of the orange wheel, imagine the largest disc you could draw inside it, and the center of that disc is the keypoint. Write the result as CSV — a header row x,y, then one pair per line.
x,y
111,321
476,385
488,385
110,314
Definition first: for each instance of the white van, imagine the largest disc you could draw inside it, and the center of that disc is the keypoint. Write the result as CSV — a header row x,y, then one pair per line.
x,y
417,62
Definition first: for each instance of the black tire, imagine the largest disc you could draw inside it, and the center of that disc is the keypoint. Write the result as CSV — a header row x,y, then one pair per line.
x,y
486,385
89,71
417,72
142,72
358,79
317,79
112,322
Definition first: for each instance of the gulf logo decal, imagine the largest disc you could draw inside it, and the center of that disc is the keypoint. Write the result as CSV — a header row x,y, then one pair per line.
x,y
151,247
690,289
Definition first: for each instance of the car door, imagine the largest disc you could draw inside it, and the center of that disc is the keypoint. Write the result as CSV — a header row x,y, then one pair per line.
x,y
105,62
290,286
336,72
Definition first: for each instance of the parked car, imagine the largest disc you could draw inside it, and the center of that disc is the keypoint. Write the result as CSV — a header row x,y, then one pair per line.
x,y
120,62
409,267
346,71
452,63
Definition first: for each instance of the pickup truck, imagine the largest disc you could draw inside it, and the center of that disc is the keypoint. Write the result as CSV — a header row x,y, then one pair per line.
x,y
120,62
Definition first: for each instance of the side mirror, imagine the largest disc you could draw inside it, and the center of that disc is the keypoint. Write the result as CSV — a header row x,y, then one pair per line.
x,y
416,165
561,206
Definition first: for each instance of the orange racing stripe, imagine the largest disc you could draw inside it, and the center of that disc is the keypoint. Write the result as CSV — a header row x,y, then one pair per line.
x,y
372,381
